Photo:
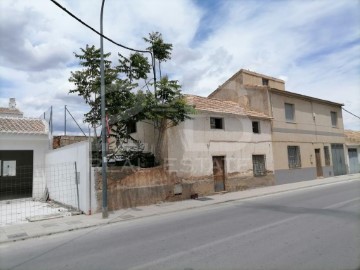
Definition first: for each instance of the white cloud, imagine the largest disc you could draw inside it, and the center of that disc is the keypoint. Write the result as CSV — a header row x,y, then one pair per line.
x,y
310,44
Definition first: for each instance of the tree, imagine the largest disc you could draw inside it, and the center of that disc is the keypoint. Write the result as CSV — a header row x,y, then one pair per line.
x,y
164,108
168,110
161,50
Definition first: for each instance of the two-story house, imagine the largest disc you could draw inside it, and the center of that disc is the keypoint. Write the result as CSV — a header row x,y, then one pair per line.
x,y
223,147
307,133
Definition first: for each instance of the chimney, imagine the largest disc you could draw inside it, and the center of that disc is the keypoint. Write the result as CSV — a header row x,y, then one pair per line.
x,y
12,103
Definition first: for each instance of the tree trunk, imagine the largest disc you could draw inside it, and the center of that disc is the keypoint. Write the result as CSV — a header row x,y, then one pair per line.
x,y
159,159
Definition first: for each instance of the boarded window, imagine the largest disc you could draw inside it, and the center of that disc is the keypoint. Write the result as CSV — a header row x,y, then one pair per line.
x,y
289,112
327,155
256,127
334,119
294,157
216,123
131,127
259,167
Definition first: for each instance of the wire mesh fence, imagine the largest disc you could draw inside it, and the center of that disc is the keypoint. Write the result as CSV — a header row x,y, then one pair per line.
x,y
31,193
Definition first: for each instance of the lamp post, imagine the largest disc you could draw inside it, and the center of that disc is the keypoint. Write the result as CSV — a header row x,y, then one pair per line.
x,y
103,123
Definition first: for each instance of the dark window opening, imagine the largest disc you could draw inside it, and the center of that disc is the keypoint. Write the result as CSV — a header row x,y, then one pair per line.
x,y
327,155
265,82
334,119
216,123
131,127
256,127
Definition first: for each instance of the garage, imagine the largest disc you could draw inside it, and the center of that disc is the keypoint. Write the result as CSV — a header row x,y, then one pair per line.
x,y
16,174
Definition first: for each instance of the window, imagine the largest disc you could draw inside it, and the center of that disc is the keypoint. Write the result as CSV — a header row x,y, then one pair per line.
x,y
259,168
256,127
334,119
216,123
327,155
265,82
131,127
294,157
289,112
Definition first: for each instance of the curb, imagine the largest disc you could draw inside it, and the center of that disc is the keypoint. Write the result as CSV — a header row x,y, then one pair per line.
x,y
117,220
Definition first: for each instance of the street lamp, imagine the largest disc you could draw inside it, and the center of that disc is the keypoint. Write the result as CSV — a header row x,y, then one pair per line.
x,y
103,121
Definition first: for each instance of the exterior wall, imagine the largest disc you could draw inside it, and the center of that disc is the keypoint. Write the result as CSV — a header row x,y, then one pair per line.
x,y
311,129
133,186
61,141
145,132
254,98
79,153
194,143
252,78
39,144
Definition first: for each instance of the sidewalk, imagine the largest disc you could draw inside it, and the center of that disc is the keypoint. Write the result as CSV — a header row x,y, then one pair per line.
x,y
64,224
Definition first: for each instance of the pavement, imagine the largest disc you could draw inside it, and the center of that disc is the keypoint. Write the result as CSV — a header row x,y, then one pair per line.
x,y
70,223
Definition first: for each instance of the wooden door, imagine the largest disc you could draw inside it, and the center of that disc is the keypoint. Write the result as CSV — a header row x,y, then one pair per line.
x,y
319,171
219,173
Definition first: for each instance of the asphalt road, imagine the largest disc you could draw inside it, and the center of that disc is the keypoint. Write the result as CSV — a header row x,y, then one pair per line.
x,y
314,228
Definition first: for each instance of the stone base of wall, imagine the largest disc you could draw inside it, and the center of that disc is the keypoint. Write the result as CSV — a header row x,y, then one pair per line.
x,y
133,197
132,186
243,182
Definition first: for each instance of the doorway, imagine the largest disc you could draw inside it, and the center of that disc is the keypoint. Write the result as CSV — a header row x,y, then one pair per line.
x,y
219,173
319,171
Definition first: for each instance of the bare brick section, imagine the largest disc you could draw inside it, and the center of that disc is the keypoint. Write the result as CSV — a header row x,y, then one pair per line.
x,y
61,141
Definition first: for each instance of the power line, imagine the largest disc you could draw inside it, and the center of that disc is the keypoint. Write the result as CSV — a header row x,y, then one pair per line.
x,y
109,39
351,113
97,32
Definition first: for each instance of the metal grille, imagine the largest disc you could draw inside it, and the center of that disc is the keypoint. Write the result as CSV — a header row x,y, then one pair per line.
x,y
35,192
294,157
259,167
289,112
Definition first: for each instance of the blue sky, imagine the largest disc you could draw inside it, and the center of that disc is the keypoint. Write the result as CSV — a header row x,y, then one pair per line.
x,y
313,45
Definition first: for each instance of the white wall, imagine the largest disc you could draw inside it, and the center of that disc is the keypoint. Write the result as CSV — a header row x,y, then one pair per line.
x,y
192,144
37,143
63,158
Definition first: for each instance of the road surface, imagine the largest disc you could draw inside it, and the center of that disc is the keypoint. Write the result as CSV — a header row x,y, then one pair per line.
x,y
313,228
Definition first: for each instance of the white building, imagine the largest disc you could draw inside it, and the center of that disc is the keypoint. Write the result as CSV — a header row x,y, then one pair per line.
x,y
23,146
223,147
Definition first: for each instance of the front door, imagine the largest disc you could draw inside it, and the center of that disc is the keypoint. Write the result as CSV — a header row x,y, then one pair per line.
x,y
219,173
354,166
319,171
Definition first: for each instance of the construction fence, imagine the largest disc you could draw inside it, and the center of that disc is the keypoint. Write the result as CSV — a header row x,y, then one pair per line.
x,y
33,193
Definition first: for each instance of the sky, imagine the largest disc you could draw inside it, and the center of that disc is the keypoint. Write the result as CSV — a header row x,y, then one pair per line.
x,y
314,45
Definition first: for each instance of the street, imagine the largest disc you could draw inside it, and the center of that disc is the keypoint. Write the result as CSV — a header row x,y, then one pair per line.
x,y
312,228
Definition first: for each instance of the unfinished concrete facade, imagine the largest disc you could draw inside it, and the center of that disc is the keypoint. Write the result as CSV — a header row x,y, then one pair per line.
x,y
307,133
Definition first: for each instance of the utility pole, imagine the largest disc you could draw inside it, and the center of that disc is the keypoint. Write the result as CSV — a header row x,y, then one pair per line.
x,y
103,124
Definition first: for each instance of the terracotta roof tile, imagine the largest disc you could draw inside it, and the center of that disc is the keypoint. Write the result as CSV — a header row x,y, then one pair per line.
x,y
10,111
352,136
221,106
22,125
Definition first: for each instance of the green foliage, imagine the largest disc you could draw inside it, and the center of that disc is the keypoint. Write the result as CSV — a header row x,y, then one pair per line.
x,y
136,67
164,108
160,49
